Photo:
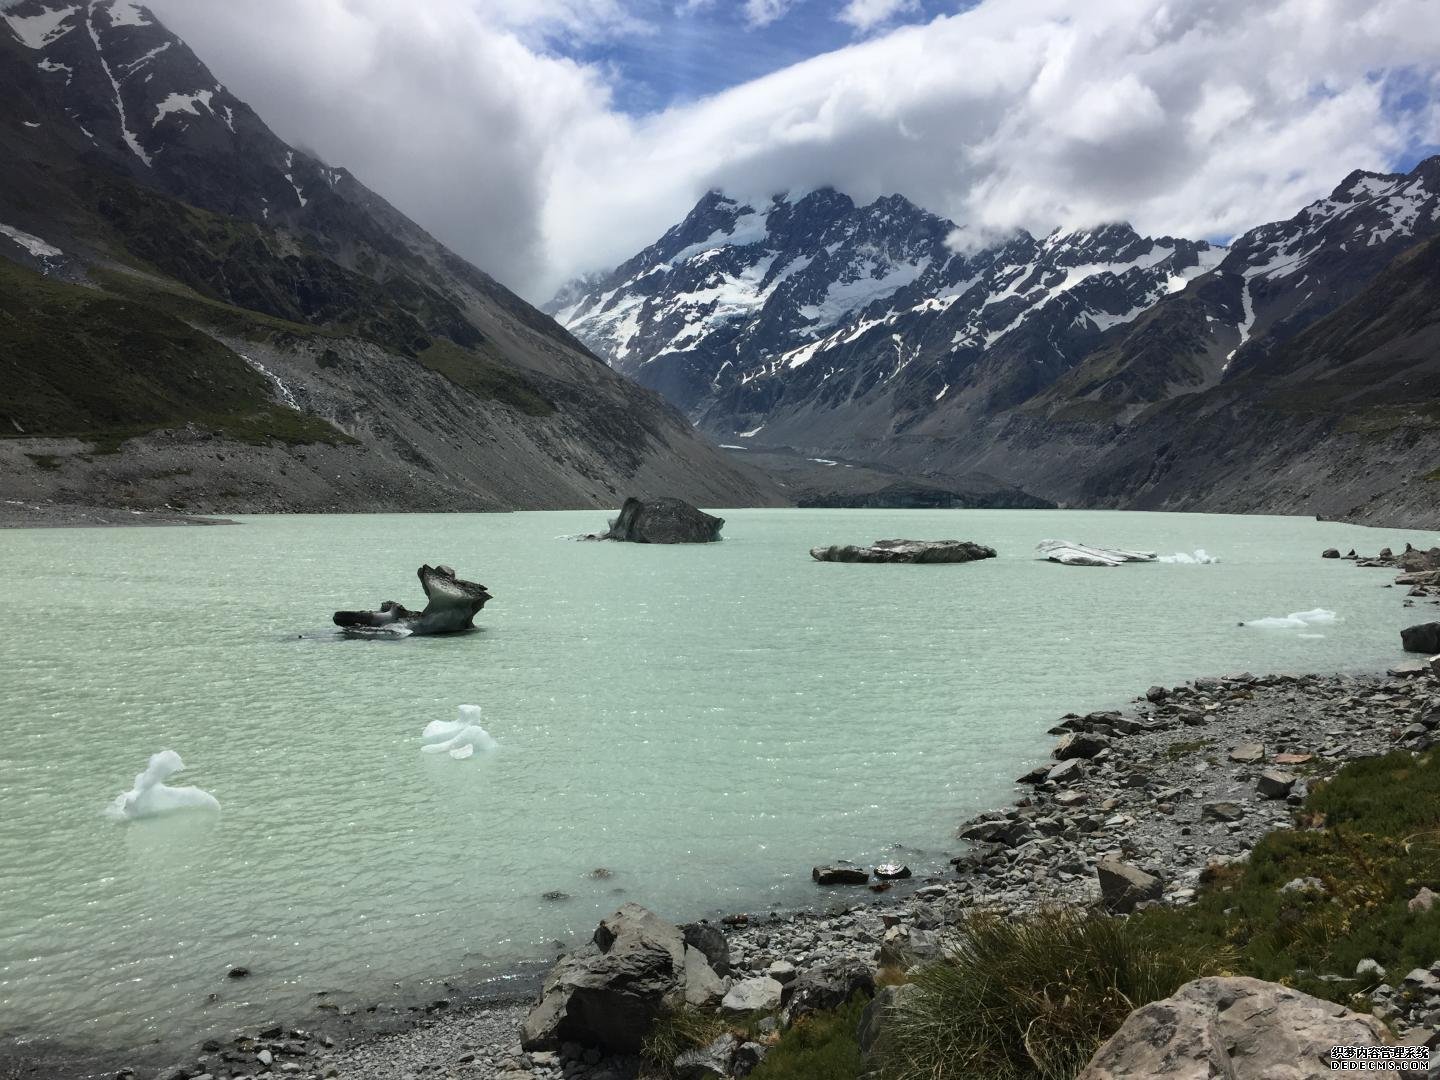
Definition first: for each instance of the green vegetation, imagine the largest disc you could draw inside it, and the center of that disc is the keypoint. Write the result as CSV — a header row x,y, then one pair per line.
x,y
1432,477
676,1032
1383,419
1378,843
822,1045
78,362
485,377
1032,999
1175,751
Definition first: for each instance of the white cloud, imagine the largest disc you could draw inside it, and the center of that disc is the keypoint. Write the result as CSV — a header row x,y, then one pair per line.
x,y
765,12
866,15
1200,119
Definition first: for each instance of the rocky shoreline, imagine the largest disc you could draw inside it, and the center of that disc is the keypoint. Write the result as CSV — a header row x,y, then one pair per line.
x,y
1180,779
25,514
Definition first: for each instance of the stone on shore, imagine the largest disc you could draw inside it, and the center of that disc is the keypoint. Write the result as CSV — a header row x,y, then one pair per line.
x,y
1275,783
1423,638
826,987
608,993
905,551
839,875
760,994
1080,744
662,521
711,941
1222,811
1248,754
1234,1028
703,987
1122,886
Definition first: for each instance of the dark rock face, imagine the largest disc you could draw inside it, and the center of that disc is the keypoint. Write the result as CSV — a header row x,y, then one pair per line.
x,y
663,521
711,942
1424,638
453,605
608,993
826,987
905,551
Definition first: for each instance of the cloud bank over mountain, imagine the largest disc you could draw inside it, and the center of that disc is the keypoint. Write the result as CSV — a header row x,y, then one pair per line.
x,y
494,122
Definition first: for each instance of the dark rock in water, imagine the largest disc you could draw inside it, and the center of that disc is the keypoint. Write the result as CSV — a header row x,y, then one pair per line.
x,y
237,972
452,605
662,521
1424,638
839,875
1330,553
905,551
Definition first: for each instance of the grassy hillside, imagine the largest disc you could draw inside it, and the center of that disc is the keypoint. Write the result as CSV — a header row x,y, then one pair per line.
x,y
75,361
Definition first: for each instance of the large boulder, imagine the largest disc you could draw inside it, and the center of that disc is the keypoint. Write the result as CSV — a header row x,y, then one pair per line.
x,y
1122,886
662,521
905,551
608,993
1424,638
1236,1029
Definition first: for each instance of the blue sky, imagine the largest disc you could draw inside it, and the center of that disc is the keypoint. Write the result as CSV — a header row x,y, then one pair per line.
x,y
695,50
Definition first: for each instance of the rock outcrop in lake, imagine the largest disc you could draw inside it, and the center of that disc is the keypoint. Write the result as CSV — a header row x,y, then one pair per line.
x,y
1424,638
662,521
905,551
1071,554
452,604
1234,1027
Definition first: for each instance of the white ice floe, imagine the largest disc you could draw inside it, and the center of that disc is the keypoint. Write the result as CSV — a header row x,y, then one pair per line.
x,y
1200,557
1071,554
458,738
151,796
1298,620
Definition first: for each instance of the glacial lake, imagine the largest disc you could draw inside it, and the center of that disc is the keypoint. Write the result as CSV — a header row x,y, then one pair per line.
x,y
705,722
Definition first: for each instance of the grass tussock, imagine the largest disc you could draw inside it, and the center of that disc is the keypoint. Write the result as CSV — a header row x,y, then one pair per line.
x,y
1032,999
1372,840
678,1031
823,1046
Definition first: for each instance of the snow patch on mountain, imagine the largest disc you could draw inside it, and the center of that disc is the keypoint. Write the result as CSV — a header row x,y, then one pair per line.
x,y
38,31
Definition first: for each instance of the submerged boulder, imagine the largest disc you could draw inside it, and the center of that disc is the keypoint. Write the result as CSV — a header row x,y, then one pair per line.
x,y
662,521
905,551
452,604
1238,1028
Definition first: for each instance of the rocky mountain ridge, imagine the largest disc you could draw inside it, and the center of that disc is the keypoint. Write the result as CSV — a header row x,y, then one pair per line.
x,y
1058,365
342,357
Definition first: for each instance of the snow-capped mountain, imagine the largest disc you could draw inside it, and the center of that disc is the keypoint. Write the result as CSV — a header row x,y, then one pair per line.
x,y
173,266
743,305
1276,281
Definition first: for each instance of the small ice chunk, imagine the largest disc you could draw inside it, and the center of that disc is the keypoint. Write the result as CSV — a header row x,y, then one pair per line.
x,y
459,738
1200,558
151,796
1298,620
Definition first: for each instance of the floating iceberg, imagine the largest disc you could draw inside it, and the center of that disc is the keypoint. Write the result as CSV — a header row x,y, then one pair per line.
x,y
1070,554
458,738
1299,620
1201,557
151,796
